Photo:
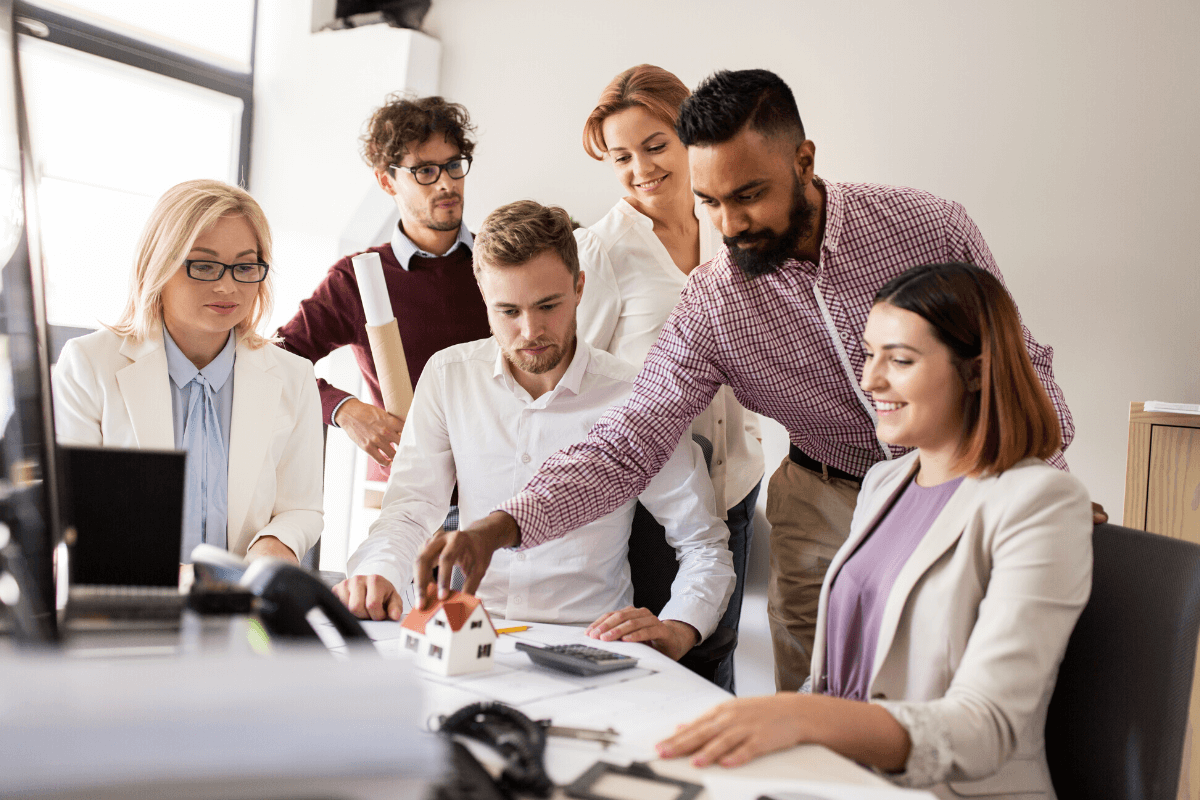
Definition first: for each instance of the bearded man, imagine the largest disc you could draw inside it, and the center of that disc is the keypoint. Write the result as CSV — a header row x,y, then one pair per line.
x,y
777,315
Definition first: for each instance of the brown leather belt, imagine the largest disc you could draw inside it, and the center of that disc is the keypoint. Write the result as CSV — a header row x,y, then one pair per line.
x,y
812,465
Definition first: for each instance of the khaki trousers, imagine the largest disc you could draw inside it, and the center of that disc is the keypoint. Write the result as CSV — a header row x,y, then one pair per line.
x,y
810,519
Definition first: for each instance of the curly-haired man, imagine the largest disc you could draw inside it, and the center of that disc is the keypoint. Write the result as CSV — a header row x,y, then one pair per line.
x,y
420,150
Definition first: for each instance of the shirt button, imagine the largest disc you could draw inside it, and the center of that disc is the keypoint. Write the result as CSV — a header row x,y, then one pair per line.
x,y
525,459
720,422
719,462
517,601
520,556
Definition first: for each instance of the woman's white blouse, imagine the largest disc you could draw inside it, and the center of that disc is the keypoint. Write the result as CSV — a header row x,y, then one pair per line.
x,y
630,289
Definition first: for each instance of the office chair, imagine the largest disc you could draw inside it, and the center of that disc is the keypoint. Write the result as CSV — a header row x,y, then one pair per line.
x,y
312,559
1116,723
59,335
652,567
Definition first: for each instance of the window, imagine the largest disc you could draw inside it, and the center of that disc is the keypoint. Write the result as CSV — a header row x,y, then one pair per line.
x,y
484,650
477,624
411,642
435,651
220,32
122,106
439,623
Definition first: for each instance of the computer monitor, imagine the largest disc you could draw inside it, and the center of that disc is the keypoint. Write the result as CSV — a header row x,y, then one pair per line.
x,y
125,509
28,477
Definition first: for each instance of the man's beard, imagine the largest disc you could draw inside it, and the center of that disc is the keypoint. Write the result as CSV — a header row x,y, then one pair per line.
x,y
452,224
774,249
543,362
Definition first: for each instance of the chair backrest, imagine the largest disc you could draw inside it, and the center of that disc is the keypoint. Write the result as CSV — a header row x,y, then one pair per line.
x,y
1117,720
653,562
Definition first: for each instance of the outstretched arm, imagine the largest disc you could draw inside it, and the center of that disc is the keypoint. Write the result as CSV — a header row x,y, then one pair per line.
x,y
617,460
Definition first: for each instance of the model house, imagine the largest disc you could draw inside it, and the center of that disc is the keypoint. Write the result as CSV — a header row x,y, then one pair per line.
x,y
452,637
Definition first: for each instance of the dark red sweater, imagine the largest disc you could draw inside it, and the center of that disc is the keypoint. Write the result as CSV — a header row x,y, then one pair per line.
x,y
437,304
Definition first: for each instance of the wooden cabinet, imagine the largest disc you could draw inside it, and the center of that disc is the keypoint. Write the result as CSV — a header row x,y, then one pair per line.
x,y
1162,473
1162,495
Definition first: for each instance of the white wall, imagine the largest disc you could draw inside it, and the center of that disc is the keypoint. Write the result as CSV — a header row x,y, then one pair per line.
x,y
313,94
1065,128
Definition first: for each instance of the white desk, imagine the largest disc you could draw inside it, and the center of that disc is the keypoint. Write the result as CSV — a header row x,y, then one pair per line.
x,y
303,724
643,704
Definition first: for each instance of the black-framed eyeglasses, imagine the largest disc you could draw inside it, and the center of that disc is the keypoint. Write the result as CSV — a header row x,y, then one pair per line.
x,y
214,270
429,173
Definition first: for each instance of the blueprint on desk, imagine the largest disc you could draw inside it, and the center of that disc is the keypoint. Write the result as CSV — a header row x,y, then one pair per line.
x,y
643,704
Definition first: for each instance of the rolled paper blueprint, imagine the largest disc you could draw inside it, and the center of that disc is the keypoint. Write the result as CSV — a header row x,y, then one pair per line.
x,y
377,305
383,333
391,368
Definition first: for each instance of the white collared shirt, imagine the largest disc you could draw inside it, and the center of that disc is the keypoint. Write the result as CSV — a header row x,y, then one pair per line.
x,y
632,285
471,422
404,248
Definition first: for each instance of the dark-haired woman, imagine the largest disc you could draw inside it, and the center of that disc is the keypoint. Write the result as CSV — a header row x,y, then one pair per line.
x,y
945,615
637,260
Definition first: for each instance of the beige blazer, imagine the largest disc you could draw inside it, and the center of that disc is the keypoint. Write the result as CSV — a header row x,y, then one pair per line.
x,y
976,624
114,392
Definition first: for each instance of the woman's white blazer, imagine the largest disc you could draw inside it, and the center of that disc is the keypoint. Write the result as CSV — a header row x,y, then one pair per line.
x,y
113,391
976,624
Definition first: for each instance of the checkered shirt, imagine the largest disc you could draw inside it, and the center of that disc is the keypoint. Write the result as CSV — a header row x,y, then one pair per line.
x,y
788,344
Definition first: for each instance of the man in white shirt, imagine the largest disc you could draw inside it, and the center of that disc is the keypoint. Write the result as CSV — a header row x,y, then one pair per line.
x,y
488,413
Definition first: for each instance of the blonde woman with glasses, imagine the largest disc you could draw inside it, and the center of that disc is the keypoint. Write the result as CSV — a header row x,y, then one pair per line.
x,y
185,368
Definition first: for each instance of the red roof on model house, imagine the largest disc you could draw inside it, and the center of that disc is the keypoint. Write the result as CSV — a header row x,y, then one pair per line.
x,y
458,607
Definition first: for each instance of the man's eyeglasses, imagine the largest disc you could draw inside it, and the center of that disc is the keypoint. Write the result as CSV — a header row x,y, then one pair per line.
x,y
215,270
429,173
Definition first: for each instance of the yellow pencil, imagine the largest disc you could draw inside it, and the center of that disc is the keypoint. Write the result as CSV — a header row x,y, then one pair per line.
x,y
515,629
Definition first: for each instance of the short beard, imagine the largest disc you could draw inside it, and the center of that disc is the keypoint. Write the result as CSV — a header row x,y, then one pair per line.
x,y
537,365
444,226
775,249
540,365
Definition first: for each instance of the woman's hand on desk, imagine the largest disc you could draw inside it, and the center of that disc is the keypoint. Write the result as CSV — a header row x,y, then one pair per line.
x,y
370,597
668,636
269,546
745,728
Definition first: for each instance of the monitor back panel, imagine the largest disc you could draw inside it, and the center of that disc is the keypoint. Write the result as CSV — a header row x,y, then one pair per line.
x,y
126,507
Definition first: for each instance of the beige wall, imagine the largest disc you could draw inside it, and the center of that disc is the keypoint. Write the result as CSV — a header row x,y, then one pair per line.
x,y
1068,130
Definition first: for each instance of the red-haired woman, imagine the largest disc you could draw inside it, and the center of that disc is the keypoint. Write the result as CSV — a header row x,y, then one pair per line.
x,y
637,260
945,615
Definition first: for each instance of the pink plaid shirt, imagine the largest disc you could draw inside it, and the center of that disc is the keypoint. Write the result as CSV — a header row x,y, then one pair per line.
x,y
788,344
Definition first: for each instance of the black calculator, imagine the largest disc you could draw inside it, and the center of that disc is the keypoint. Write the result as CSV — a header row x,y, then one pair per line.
x,y
578,659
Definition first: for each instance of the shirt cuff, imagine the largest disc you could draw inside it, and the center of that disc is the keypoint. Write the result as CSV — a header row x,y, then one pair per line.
x,y
333,415
930,756
533,523
694,612
389,571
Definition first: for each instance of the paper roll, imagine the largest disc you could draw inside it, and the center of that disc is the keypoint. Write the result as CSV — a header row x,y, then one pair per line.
x,y
377,305
391,367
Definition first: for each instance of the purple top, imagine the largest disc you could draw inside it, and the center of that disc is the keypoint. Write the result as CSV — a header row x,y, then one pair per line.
x,y
861,587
